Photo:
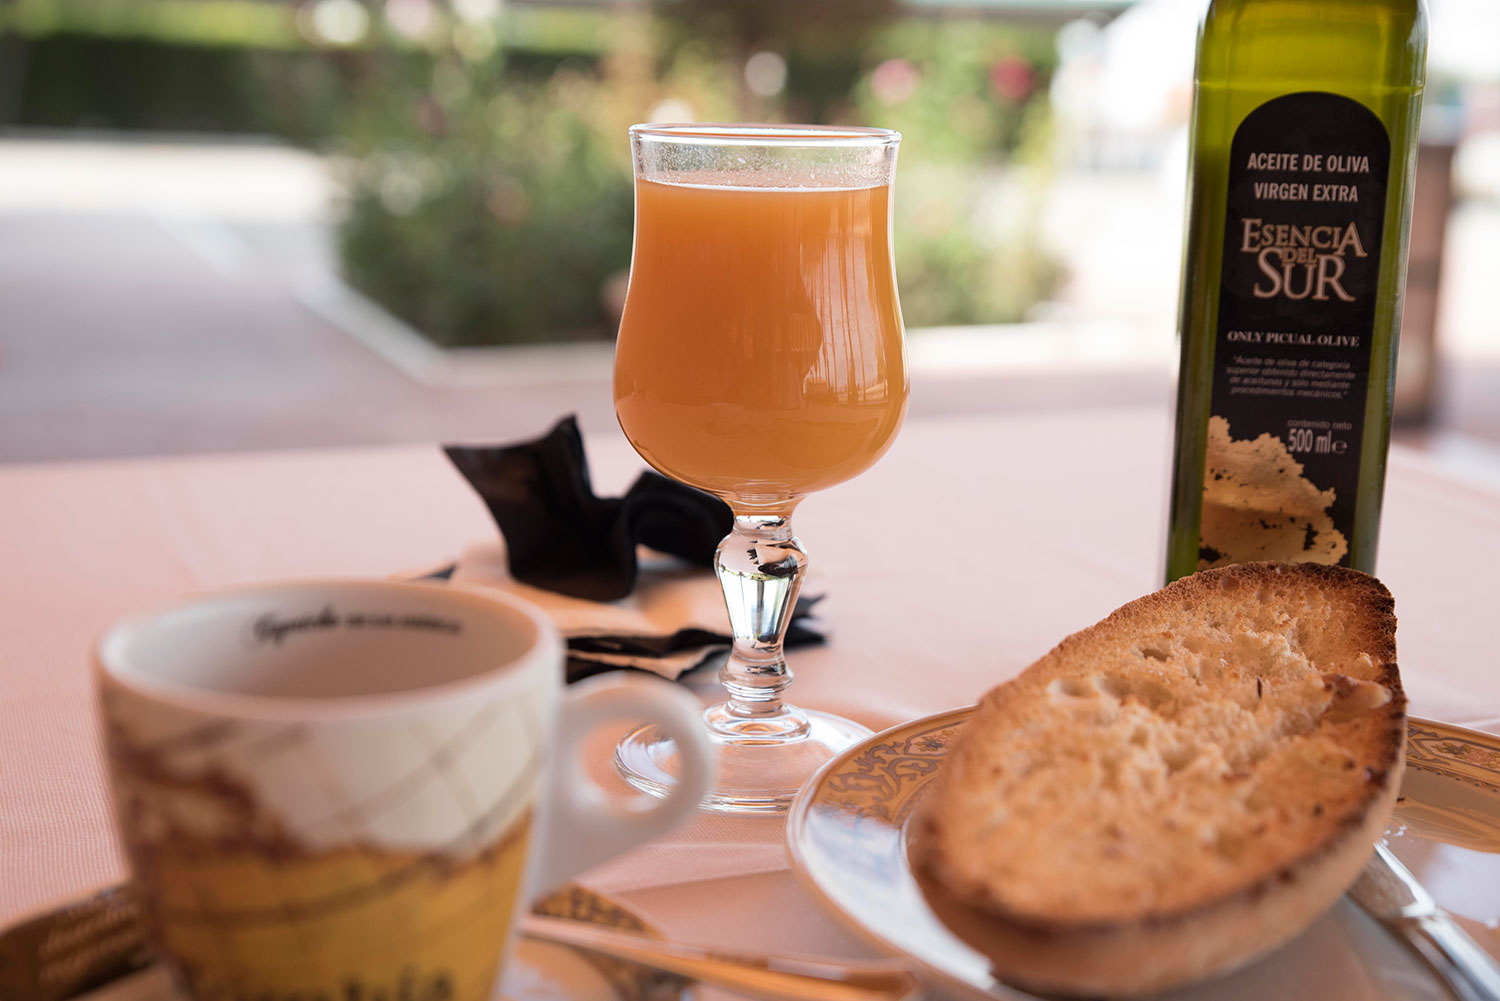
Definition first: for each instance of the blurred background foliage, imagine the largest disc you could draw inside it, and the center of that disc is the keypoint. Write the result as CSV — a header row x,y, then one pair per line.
x,y
482,148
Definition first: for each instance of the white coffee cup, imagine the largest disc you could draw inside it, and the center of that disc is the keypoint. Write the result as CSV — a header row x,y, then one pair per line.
x,y
349,789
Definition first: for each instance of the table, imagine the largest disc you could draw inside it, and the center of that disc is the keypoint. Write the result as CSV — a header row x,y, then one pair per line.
x,y
972,548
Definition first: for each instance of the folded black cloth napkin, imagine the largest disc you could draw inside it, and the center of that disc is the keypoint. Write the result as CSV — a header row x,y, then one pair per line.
x,y
580,557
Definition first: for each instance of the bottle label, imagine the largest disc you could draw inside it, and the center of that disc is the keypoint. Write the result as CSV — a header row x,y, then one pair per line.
x,y
1306,204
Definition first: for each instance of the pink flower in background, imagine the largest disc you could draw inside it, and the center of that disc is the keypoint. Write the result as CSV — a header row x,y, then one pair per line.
x,y
1011,77
431,118
895,80
411,19
507,201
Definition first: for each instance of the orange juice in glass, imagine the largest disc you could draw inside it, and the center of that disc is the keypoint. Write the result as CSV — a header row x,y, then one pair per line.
x,y
761,356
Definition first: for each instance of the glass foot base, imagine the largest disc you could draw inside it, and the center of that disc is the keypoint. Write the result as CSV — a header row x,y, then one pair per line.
x,y
762,763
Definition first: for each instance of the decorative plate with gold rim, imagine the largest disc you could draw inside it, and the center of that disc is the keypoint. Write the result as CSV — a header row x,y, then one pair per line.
x,y
847,834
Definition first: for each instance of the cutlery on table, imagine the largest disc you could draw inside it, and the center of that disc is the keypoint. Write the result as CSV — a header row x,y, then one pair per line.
x,y
1391,894
779,978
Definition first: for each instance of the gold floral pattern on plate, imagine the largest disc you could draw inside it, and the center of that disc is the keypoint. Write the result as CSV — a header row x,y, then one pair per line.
x,y
631,981
1454,752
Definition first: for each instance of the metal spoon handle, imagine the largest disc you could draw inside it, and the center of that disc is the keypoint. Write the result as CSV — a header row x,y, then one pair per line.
x,y
780,978
1470,972
1389,892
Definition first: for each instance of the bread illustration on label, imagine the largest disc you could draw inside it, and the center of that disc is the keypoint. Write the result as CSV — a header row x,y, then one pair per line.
x,y
1259,505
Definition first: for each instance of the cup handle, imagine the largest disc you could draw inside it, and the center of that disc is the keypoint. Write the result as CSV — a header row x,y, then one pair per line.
x,y
585,826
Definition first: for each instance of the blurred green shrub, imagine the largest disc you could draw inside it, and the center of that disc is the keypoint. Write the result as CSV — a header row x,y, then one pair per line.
x,y
822,46
969,99
491,203
485,219
490,207
488,194
967,246
69,80
960,91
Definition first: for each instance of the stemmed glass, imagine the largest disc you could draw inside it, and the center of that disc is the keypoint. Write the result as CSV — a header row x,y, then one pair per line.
x,y
761,357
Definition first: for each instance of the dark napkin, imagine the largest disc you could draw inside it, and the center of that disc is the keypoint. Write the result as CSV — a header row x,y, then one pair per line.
x,y
565,547
560,537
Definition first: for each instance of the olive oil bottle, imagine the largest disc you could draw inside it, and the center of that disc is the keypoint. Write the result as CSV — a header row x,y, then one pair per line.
x,y
1304,144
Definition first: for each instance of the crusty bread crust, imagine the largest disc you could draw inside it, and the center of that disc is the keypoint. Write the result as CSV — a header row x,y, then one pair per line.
x,y
1176,790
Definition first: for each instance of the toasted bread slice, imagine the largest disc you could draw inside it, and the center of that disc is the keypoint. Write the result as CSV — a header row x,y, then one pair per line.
x,y
1177,789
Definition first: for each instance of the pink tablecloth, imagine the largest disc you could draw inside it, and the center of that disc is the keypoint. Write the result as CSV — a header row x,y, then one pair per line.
x,y
968,551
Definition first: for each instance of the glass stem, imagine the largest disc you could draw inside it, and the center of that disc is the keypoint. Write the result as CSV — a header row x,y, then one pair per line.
x,y
760,567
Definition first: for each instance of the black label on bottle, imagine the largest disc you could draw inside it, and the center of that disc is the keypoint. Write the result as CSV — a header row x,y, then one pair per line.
x,y
1305,208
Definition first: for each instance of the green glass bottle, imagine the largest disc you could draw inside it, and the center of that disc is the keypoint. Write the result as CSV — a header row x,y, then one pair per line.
x,y
1304,144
